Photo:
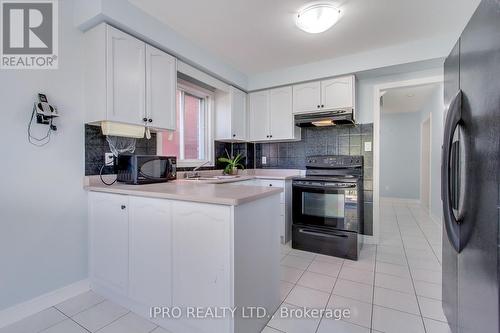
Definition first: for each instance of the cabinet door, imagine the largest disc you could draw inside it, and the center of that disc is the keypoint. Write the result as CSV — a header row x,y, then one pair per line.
x,y
126,76
259,116
282,125
108,219
202,260
151,251
238,114
306,97
337,93
161,86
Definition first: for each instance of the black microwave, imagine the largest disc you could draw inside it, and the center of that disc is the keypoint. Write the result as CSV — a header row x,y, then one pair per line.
x,y
145,169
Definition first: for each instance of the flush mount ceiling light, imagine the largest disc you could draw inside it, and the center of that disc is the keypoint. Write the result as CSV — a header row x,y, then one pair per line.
x,y
317,17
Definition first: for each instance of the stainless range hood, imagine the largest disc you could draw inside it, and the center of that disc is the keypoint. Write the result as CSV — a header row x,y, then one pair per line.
x,y
325,118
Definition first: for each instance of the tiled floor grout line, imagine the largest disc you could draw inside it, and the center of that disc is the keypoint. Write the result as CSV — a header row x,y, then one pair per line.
x,y
294,285
100,329
72,319
329,297
425,236
411,275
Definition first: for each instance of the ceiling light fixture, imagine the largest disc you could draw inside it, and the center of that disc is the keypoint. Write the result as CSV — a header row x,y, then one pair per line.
x,y
317,17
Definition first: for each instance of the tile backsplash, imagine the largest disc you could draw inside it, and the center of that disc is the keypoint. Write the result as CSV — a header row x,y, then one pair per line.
x,y
339,140
96,146
336,140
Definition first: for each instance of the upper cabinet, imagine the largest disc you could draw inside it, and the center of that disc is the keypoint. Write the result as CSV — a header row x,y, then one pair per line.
x,y
128,81
337,93
161,85
125,78
231,115
306,97
271,117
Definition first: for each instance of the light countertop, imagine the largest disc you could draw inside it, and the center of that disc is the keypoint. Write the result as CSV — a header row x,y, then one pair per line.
x,y
211,191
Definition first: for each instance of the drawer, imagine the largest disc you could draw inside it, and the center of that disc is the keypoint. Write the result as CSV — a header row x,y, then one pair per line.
x,y
343,244
274,183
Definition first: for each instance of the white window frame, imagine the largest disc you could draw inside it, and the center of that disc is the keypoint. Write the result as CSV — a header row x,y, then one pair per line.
x,y
208,135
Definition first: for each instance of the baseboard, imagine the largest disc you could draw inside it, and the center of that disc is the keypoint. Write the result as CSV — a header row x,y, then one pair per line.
x,y
35,305
400,200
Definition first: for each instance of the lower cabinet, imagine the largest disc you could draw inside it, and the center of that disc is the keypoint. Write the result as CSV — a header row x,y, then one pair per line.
x,y
150,255
285,203
109,240
158,252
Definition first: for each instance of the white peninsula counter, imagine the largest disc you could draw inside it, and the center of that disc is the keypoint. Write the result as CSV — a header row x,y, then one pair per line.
x,y
187,247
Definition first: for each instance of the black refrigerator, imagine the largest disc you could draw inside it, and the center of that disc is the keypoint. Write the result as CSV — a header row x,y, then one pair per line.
x,y
470,176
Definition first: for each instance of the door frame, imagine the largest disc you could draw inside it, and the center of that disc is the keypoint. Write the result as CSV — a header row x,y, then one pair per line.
x,y
377,89
429,119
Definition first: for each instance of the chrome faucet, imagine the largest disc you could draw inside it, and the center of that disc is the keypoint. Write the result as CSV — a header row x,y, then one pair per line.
x,y
193,173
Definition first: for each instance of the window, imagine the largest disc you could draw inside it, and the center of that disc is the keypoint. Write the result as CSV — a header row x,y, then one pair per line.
x,y
192,141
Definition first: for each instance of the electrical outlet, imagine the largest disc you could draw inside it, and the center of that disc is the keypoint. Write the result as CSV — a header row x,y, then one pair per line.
x,y
108,159
264,160
368,146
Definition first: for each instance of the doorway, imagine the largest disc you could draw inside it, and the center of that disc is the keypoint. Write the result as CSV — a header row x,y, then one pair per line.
x,y
425,162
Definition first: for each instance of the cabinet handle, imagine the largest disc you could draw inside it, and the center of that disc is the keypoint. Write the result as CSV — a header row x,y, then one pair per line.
x,y
144,119
270,136
319,106
322,106
123,207
234,135
150,120
270,185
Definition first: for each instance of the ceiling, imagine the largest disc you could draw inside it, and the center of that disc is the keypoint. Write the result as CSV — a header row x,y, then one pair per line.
x,y
407,99
260,35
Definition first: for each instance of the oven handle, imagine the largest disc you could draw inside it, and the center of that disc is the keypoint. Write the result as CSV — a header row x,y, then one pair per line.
x,y
324,187
312,233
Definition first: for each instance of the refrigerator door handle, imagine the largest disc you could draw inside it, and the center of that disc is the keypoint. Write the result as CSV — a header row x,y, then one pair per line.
x,y
449,174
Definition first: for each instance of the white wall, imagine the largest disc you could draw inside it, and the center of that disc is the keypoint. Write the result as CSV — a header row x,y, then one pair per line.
x,y
367,81
43,207
437,47
123,15
400,155
435,106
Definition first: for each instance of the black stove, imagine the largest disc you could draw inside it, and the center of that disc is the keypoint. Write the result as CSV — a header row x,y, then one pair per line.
x,y
328,206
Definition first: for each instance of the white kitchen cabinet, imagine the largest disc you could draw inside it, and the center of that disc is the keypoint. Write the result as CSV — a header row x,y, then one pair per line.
x,y
281,122
338,93
161,84
147,252
271,117
259,115
109,240
150,250
126,86
128,81
331,94
306,97
231,115
285,220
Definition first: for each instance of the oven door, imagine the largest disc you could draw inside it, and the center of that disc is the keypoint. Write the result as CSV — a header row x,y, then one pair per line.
x,y
327,205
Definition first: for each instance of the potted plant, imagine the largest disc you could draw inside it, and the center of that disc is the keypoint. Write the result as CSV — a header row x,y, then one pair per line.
x,y
233,163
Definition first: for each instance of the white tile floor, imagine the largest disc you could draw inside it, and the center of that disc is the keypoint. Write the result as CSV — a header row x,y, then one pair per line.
x,y
393,287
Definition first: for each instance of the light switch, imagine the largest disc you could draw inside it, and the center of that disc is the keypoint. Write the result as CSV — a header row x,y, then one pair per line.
x,y
368,146
264,160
